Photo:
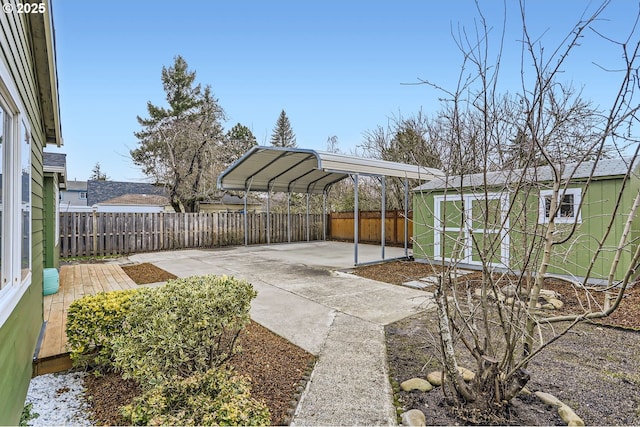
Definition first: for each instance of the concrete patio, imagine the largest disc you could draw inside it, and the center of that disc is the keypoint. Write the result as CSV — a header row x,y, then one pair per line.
x,y
305,297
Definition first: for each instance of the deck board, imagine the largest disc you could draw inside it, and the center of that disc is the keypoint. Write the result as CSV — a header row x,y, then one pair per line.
x,y
76,281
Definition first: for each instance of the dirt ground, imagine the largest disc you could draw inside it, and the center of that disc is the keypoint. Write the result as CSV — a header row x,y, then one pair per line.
x,y
276,367
595,368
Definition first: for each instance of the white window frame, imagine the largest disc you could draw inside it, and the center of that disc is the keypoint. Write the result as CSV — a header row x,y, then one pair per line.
x,y
13,284
439,226
576,192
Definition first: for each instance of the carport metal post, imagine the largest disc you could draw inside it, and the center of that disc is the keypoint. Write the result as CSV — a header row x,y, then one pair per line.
x,y
406,217
307,217
289,217
324,215
268,217
383,211
355,219
246,238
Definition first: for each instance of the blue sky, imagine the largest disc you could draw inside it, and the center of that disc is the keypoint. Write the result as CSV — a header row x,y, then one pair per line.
x,y
336,67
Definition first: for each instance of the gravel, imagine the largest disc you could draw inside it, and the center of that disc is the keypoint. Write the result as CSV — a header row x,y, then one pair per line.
x,y
58,400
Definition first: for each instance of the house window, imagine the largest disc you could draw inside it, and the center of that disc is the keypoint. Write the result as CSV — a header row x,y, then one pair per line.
x,y
25,202
568,206
83,195
15,203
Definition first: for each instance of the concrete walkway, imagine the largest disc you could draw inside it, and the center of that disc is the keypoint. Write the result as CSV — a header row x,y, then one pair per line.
x,y
336,316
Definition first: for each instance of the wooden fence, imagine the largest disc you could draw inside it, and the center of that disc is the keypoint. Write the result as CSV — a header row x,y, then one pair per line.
x,y
370,227
106,233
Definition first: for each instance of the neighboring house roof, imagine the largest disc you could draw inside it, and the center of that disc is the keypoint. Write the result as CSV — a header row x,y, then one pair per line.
x,y
230,199
604,169
56,163
76,185
138,199
99,191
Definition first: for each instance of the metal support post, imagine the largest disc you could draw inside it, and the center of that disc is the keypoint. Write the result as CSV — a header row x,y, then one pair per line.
x,y
355,219
289,217
307,217
406,217
246,220
324,215
268,217
383,213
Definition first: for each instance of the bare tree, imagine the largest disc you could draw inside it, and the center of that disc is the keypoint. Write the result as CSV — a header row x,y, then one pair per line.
x,y
536,208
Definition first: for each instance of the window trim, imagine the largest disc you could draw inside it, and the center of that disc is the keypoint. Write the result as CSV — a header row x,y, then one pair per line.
x,y
576,192
13,285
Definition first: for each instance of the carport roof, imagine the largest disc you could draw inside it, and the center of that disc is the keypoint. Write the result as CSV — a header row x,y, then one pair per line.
x,y
300,170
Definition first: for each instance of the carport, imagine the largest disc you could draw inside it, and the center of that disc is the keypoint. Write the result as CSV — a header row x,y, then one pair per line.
x,y
297,170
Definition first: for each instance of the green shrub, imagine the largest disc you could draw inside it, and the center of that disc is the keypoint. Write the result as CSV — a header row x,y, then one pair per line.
x,y
185,327
216,397
93,322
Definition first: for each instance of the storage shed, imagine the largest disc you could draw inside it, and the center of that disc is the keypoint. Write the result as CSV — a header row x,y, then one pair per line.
x,y
504,213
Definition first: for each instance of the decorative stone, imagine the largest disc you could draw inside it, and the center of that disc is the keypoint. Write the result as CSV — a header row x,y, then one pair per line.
x,y
546,293
467,374
548,398
414,417
570,417
435,378
557,304
509,290
416,384
548,306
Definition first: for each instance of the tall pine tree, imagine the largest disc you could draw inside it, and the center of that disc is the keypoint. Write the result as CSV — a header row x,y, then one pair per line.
x,y
179,144
283,135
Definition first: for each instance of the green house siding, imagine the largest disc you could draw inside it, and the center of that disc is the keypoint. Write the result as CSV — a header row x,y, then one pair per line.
x,y
571,258
26,55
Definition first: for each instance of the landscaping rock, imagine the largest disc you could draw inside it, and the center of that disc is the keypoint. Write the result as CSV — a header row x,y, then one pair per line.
x,y
467,374
570,417
419,384
548,398
414,417
546,293
557,304
435,378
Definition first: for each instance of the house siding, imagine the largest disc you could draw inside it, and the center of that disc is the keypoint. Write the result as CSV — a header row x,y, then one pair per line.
x,y
571,258
19,333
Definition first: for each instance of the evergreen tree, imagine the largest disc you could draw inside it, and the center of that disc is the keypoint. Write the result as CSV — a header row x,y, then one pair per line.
x,y
283,135
238,140
180,145
97,174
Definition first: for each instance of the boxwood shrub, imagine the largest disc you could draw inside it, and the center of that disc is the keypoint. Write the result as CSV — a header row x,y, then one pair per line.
x,y
185,327
93,322
216,397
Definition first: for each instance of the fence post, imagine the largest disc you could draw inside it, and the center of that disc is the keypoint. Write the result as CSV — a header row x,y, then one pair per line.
x,y
94,218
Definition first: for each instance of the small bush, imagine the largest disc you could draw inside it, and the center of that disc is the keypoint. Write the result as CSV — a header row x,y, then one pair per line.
x,y
93,322
185,327
216,397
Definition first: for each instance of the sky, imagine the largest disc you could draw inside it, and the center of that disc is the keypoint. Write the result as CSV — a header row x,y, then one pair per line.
x,y
337,68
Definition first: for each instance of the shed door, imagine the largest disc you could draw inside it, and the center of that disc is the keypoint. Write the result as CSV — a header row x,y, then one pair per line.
x,y
472,229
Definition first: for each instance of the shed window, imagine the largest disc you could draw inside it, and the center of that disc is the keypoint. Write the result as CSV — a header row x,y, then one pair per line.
x,y
567,207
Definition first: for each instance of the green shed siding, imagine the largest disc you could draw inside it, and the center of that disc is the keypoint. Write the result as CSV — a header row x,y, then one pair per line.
x,y
51,249
20,332
571,258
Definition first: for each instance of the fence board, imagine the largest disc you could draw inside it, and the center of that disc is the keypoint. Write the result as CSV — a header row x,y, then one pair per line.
x,y
99,234
369,226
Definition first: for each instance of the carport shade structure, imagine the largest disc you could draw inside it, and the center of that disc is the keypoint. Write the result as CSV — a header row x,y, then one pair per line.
x,y
297,170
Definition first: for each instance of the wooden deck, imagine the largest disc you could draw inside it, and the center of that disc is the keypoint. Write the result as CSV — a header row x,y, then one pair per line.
x,y
76,281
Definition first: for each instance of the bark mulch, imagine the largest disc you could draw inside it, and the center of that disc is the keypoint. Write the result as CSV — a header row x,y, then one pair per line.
x,y
146,273
594,368
277,368
278,371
